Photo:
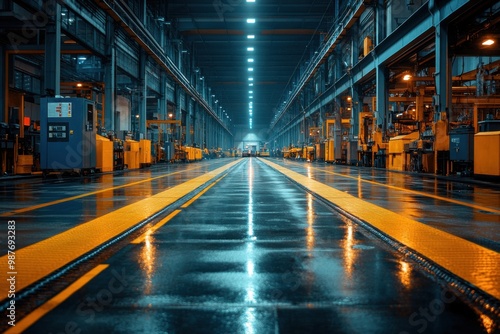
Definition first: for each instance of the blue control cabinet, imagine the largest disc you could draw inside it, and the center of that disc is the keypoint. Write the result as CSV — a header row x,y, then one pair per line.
x,y
67,135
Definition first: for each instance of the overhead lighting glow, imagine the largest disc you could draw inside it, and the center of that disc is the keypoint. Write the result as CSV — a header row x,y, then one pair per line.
x,y
251,84
250,69
250,49
250,91
250,0
250,79
250,36
250,60
488,42
407,77
250,20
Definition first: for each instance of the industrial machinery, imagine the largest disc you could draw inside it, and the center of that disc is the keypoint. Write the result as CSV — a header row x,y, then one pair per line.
x,y
462,149
486,148
104,154
365,138
333,143
68,135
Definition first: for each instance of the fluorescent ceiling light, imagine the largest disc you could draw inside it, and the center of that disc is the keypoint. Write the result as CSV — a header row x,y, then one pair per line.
x,y
250,20
250,49
250,91
250,60
251,84
250,79
250,0
250,36
488,42
250,69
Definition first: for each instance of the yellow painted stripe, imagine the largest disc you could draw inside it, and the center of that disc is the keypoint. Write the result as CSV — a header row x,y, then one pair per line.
x,y
416,192
42,258
57,300
188,203
473,263
153,229
72,198
165,220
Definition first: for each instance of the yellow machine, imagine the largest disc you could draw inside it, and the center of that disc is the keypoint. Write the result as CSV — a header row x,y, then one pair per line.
x,y
104,154
486,157
144,153
365,138
131,154
398,158
330,140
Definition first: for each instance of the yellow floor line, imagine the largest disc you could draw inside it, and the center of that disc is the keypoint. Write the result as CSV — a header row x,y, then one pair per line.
x,y
473,263
72,198
188,203
38,260
45,308
416,192
154,228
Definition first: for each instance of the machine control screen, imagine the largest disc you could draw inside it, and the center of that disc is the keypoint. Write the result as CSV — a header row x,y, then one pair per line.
x,y
58,131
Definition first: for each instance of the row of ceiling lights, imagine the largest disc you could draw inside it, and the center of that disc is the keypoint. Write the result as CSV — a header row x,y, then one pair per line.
x,y
250,61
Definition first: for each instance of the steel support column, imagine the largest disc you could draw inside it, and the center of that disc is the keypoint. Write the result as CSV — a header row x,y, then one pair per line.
x,y
443,71
52,73
357,104
143,92
162,102
110,76
381,92
380,21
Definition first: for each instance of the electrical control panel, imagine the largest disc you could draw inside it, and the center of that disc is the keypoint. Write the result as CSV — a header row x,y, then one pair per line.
x,y
67,134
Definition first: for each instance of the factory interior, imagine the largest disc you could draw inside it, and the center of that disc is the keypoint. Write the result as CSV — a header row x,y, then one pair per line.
x,y
323,166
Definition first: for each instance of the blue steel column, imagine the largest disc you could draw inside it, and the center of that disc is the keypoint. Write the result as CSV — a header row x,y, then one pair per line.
x,y
381,92
357,104
143,91
177,96
189,112
52,73
443,71
380,22
163,102
110,76
337,131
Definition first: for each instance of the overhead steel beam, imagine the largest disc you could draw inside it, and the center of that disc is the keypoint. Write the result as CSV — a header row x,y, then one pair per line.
x,y
406,37
323,54
127,20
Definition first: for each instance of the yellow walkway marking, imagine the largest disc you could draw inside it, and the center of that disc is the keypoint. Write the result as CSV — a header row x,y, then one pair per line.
x,y
188,203
154,228
165,220
42,258
63,200
416,192
469,261
45,308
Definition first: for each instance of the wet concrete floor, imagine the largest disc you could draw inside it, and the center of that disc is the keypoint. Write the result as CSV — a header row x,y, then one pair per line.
x,y
257,254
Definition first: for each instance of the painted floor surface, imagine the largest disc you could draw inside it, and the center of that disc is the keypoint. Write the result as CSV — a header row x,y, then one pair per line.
x,y
256,253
